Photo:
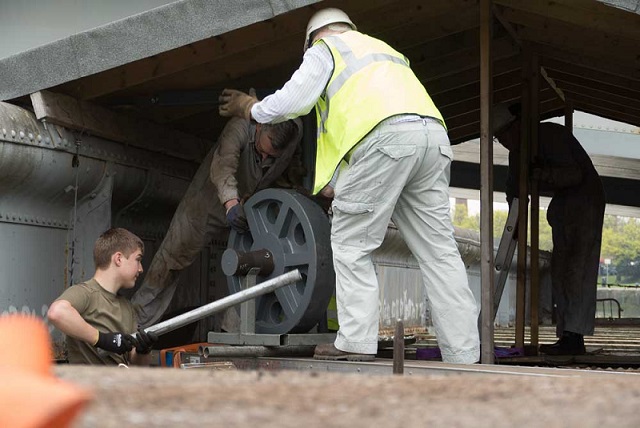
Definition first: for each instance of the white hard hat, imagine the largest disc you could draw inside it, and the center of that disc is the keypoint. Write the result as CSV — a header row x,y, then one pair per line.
x,y
324,17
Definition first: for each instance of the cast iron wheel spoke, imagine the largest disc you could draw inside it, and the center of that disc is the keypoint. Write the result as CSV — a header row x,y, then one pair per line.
x,y
289,299
281,226
296,259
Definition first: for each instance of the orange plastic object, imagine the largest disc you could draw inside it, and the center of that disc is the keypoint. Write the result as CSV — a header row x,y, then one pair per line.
x,y
177,353
30,396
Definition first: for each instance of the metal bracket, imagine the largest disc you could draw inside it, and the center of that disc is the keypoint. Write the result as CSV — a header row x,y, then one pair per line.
x,y
248,308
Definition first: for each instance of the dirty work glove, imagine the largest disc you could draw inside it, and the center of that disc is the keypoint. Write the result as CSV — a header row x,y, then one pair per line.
x,y
118,343
237,219
145,341
236,103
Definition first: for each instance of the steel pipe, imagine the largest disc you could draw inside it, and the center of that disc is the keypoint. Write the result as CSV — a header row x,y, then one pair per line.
x,y
224,303
256,351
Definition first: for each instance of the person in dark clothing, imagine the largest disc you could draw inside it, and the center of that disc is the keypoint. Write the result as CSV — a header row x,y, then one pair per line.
x,y
575,214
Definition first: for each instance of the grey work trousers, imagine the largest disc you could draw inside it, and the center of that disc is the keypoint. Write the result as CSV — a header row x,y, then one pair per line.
x,y
577,236
400,171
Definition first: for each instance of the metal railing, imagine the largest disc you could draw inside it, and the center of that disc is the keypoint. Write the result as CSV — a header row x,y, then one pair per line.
x,y
608,303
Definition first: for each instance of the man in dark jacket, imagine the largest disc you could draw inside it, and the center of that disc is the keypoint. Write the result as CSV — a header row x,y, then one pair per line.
x,y
575,214
249,157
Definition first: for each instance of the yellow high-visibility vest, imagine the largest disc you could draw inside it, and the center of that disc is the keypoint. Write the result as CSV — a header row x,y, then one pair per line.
x,y
370,82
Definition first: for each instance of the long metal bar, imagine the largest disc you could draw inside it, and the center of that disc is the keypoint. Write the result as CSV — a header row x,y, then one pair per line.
x,y
486,186
225,302
256,351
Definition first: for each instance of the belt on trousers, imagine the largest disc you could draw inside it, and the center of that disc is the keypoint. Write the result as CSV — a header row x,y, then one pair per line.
x,y
401,118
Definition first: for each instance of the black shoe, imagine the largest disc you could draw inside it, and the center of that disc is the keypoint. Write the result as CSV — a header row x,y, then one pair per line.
x,y
569,344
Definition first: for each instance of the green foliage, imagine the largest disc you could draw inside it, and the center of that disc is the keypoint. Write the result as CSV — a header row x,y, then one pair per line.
x,y
621,244
461,218
620,238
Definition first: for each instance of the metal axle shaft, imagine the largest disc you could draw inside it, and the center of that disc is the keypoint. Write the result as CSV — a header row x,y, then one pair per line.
x,y
224,303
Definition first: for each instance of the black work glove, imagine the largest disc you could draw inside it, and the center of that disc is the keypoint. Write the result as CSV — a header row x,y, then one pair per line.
x,y
237,219
118,343
145,341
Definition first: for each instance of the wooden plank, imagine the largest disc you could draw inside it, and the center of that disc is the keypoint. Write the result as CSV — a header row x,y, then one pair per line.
x,y
514,34
470,129
461,94
537,27
86,117
578,59
631,105
461,112
586,97
586,45
437,16
599,77
409,35
598,110
247,40
470,76
614,94
464,59
591,15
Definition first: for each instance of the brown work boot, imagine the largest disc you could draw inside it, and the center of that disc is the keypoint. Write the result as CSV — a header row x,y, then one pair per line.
x,y
327,351
569,344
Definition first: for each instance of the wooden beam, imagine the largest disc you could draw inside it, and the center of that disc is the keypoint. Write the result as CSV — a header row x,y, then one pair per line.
x,y
514,34
487,266
552,83
469,76
447,22
630,105
86,117
458,114
523,201
586,45
465,59
578,59
534,300
471,91
566,66
591,15
471,128
247,39
615,94
598,110
568,116
537,26
584,97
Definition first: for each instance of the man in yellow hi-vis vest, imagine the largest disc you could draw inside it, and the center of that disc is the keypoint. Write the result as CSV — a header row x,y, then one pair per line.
x,y
383,154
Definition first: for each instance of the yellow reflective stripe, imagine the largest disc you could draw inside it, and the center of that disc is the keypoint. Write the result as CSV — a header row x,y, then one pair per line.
x,y
354,65
324,114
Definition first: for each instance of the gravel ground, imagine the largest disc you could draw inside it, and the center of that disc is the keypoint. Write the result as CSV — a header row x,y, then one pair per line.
x,y
162,397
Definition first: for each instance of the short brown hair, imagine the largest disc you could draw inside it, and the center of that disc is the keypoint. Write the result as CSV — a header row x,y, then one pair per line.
x,y
282,134
112,241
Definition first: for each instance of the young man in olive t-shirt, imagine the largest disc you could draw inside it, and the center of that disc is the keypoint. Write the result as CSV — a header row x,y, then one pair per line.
x,y
97,321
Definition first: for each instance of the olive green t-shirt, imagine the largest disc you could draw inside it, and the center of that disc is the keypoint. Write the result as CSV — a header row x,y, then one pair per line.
x,y
107,312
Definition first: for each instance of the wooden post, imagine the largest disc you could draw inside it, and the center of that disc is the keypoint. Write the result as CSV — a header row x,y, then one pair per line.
x,y
534,298
486,185
568,115
523,200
